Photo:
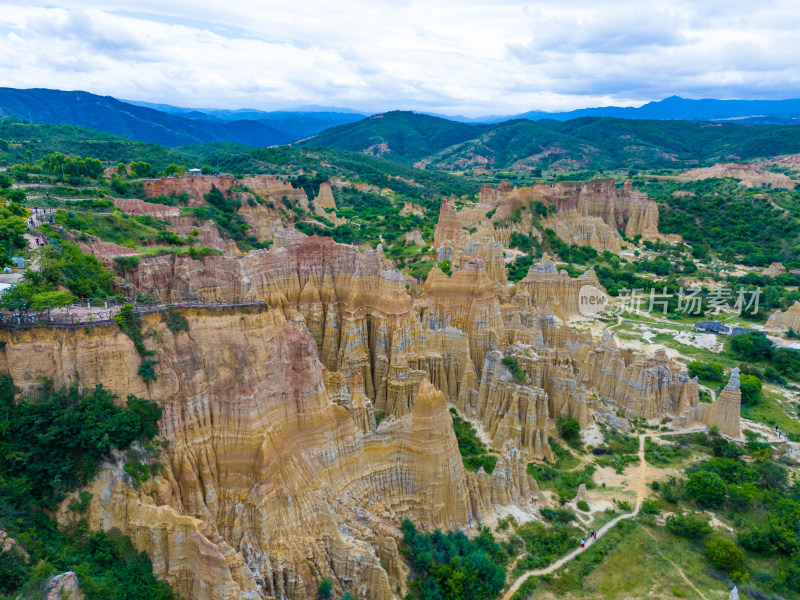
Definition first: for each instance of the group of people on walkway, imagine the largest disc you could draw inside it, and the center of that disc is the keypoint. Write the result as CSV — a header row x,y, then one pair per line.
x,y
594,537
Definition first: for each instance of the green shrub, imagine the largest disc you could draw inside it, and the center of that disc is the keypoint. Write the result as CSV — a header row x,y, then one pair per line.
x,y
583,505
474,453
146,370
450,565
724,554
650,507
125,263
751,390
175,320
707,371
706,488
324,588
568,427
518,372
686,525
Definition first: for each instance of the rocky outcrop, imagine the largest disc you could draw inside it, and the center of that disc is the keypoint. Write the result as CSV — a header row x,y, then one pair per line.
x,y
273,465
289,235
508,485
546,289
63,586
747,174
133,206
263,221
466,301
644,386
414,238
205,232
509,410
461,244
782,321
267,187
726,410
775,269
325,199
622,209
580,230
105,252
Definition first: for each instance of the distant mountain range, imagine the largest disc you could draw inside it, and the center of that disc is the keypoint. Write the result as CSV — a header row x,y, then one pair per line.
x,y
751,112
167,125
677,132
583,143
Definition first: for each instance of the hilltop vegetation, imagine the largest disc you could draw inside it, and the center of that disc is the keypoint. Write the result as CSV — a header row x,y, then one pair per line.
x,y
401,136
585,143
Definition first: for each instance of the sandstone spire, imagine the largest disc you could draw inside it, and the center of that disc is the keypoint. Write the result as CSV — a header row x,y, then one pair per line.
x,y
725,411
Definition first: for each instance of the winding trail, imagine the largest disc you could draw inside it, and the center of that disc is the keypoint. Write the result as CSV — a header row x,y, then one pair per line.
x,y
641,491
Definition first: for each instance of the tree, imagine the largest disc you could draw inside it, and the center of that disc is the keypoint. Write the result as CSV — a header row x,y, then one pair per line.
x,y
5,181
686,525
122,170
752,346
324,588
708,371
141,169
706,488
50,300
173,169
750,386
568,427
726,555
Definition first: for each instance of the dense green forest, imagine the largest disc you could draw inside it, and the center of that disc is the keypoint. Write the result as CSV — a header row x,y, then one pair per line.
x,y
450,566
52,442
751,225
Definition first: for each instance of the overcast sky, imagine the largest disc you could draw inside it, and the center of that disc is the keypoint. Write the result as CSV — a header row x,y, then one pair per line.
x,y
446,56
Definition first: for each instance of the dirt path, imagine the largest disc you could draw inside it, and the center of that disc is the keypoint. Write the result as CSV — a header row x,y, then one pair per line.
x,y
641,491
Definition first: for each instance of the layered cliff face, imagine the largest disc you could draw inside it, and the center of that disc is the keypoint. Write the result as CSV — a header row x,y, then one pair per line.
x,y
267,187
466,301
549,291
276,473
354,305
510,411
463,236
621,209
643,386
274,464
580,230
364,322
783,321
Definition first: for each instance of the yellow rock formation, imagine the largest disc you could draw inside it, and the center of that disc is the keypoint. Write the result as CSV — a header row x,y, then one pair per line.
x,y
783,321
276,473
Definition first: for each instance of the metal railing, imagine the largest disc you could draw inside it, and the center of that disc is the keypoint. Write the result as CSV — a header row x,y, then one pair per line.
x,y
74,315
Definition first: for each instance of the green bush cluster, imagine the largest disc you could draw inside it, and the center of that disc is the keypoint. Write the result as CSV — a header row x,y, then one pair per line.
x,y
474,453
512,362
450,566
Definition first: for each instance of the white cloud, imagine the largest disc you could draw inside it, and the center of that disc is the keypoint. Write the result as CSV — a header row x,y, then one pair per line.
x,y
469,57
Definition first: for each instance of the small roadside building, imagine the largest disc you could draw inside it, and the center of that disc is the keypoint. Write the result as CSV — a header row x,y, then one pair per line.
x,y
195,171
720,329
711,327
